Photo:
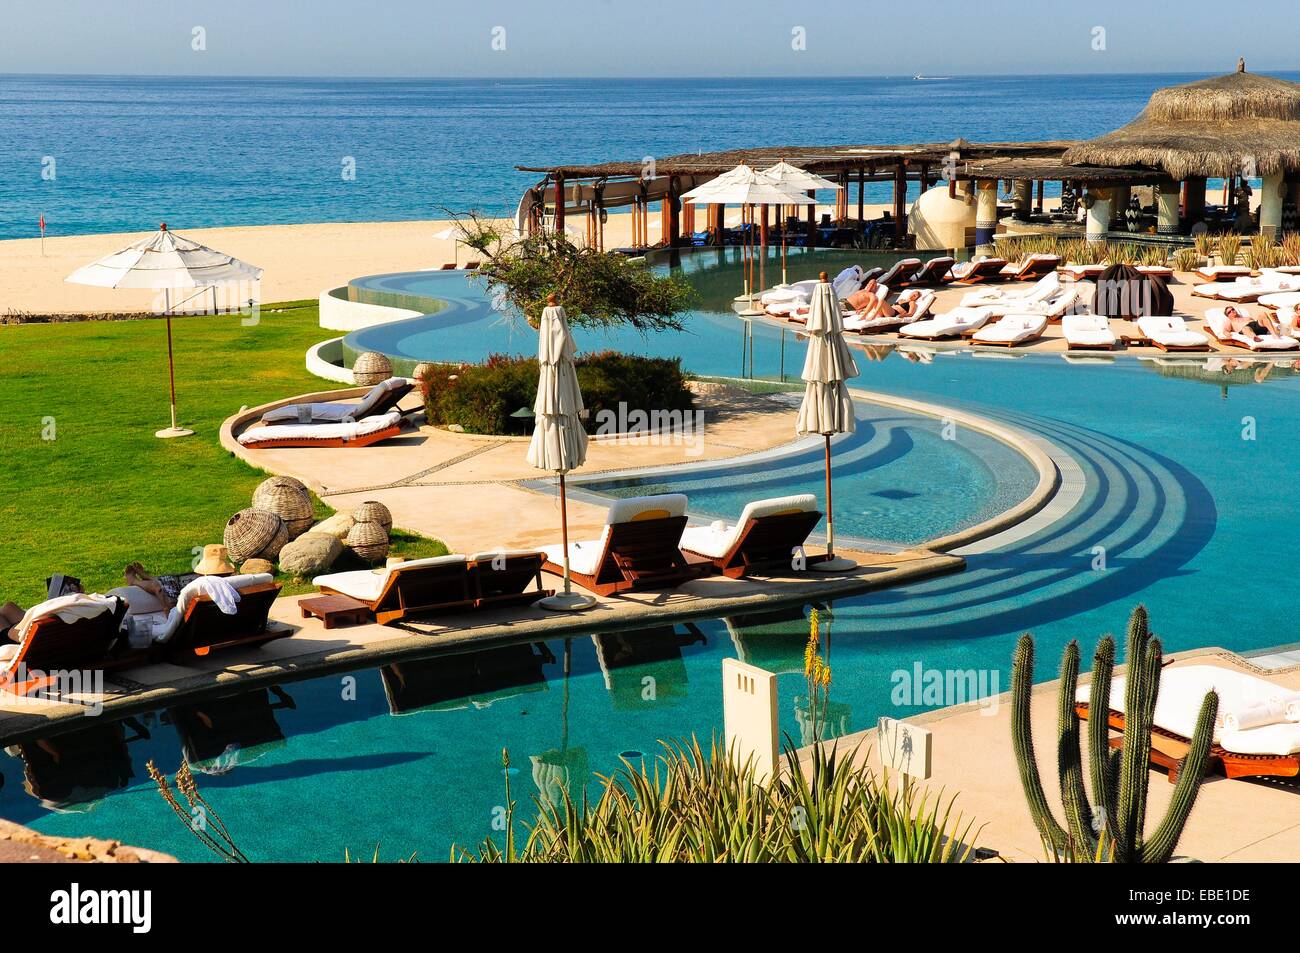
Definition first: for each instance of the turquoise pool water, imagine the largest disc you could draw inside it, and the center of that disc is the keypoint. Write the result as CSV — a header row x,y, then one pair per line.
x,y
1187,485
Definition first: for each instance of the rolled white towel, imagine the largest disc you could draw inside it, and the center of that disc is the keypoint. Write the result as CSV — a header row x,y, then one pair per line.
x,y
1255,715
1292,710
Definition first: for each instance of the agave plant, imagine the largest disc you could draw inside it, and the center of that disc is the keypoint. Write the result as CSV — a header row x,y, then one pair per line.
x,y
1187,259
1203,242
1228,246
705,808
1291,248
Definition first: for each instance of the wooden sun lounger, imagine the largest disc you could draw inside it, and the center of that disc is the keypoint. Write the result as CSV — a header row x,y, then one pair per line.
x,y
639,554
933,272
442,587
304,441
1036,268
766,542
1169,749
205,627
52,645
507,583
990,269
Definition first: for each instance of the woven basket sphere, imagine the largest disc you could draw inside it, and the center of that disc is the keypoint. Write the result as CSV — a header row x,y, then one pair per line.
x,y
255,534
372,511
421,369
368,540
287,499
371,368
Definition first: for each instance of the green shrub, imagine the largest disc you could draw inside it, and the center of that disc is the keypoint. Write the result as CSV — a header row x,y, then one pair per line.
x,y
481,397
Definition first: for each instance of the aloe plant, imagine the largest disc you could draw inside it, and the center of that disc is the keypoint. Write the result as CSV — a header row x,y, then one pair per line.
x,y
1110,827
1227,246
1186,259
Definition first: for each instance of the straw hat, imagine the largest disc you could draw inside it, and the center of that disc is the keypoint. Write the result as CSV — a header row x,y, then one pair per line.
x,y
215,561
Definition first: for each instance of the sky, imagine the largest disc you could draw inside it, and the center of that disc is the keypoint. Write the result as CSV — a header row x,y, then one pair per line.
x,y
625,38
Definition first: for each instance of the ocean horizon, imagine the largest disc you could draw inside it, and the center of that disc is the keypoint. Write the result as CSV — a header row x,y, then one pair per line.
x,y
96,154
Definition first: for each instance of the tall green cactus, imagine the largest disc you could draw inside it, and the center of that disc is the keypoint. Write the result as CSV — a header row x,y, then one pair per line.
x,y
1112,825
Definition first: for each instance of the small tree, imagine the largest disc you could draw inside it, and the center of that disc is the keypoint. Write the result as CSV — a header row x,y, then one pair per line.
x,y
597,289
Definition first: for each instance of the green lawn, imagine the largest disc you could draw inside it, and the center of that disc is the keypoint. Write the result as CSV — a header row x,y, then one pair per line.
x,y
104,491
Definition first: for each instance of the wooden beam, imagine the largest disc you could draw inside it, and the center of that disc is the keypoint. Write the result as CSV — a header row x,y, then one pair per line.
x,y
862,188
900,200
559,204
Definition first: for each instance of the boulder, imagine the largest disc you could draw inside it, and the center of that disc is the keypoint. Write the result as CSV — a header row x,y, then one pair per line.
x,y
311,554
254,566
337,526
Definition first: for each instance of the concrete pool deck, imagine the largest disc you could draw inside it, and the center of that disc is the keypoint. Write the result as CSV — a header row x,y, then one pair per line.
x,y
1255,820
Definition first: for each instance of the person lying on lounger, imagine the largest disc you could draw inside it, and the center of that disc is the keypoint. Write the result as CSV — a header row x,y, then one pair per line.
x,y
10,615
904,307
1255,327
163,588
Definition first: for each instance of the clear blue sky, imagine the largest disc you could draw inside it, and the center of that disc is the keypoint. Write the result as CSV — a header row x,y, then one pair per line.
x,y
631,38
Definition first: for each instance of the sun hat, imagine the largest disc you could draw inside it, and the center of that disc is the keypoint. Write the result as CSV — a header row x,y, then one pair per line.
x,y
215,561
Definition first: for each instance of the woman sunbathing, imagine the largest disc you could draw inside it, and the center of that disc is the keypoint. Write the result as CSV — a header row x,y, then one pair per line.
x,y
10,615
163,588
1254,327
904,307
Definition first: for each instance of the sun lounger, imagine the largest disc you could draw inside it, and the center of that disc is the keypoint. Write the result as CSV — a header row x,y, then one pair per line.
x,y
1011,330
933,272
1171,334
986,269
1087,332
447,266
1271,749
381,399
786,300
768,536
1160,271
1032,268
901,272
417,586
69,633
361,433
1281,300
951,324
1219,325
639,548
501,579
197,625
1043,289
1079,272
888,322
1221,272
1248,289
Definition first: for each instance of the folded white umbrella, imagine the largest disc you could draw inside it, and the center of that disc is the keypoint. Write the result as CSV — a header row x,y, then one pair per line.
x,y
559,441
827,408
164,261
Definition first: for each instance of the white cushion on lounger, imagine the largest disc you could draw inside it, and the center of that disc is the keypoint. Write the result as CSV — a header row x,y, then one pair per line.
x,y
334,412
1280,299
367,584
1012,328
1087,330
1217,272
717,539
1170,331
1041,290
138,601
584,556
1222,328
1182,690
948,324
350,431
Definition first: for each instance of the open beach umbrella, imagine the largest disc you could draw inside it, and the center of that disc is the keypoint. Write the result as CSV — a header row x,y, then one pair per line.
x,y
166,261
559,442
745,187
450,234
827,407
794,178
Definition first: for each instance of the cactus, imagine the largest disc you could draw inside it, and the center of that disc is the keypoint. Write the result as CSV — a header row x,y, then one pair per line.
x,y
1110,827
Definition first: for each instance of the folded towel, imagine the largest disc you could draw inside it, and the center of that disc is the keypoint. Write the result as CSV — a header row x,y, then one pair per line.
x,y
69,608
1292,711
1253,716
218,590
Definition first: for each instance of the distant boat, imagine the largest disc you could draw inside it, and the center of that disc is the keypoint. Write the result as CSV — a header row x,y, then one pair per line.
x,y
919,76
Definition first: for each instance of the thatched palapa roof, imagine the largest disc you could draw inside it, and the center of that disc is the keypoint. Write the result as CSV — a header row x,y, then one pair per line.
x,y
1241,123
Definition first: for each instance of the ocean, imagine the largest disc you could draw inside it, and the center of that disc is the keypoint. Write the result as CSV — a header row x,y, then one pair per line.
x,y
121,153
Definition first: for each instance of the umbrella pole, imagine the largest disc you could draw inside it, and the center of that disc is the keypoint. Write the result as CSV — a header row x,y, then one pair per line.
x,y
831,563
173,430
568,600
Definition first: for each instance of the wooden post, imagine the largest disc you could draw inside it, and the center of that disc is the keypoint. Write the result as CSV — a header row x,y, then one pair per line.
x,y
812,220
900,201
862,188
670,213
559,203
1038,200
688,219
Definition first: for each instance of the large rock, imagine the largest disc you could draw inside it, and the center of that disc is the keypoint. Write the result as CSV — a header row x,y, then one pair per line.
x,y
310,555
337,526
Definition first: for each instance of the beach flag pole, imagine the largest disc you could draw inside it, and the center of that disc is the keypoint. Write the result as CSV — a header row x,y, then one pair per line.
x,y
42,234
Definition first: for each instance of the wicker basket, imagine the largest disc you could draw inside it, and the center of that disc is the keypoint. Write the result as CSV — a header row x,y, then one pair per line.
x,y
368,540
370,368
372,511
288,499
255,534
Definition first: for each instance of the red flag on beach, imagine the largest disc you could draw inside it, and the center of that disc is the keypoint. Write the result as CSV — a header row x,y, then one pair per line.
x,y
42,223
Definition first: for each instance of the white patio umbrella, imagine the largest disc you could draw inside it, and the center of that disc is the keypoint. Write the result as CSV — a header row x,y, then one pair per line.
x,y
795,178
164,261
450,234
559,442
827,408
745,187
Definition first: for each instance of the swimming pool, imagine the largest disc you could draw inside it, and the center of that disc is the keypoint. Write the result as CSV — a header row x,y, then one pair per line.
x,y
1184,500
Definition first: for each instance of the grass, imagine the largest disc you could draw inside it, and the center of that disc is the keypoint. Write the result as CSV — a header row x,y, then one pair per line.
x,y
104,492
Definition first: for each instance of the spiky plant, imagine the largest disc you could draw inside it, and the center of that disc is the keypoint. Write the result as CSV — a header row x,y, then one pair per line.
x,y
1112,826
818,676
1203,242
1291,248
1187,259
1228,246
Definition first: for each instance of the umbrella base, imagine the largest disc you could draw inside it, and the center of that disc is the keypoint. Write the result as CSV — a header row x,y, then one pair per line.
x,y
567,602
752,296
168,432
751,313
837,564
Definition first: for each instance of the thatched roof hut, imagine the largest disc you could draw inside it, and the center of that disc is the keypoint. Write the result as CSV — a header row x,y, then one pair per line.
x,y
1226,125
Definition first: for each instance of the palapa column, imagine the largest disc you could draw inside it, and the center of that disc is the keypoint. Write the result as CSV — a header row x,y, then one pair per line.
x,y
1119,197
986,215
1194,200
1167,194
1270,204
1098,214
1022,191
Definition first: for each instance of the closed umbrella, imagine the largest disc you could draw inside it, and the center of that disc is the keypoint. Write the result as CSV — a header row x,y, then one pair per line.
x,y
164,261
827,408
559,442
795,179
